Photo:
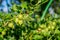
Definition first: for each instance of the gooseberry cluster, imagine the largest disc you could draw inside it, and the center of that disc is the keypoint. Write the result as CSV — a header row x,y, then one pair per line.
x,y
26,27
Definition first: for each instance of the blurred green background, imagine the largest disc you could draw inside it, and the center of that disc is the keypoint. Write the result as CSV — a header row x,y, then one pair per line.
x,y
29,19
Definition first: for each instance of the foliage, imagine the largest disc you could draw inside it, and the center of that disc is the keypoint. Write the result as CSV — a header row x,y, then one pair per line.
x,y
24,23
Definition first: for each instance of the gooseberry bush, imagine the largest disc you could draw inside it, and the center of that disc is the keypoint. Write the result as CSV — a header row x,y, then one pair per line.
x,y
24,23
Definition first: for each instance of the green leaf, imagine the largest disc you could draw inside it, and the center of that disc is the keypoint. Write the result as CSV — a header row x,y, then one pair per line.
x,y
24,5
37,37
